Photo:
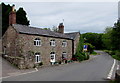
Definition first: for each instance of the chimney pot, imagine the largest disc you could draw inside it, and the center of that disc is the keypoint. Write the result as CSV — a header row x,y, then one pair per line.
x,y
13,7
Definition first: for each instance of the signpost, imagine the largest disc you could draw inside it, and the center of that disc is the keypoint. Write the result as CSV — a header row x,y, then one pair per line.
x,y
85,47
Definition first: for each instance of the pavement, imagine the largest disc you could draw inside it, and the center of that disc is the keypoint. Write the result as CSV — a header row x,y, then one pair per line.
x,y
97,68
8,70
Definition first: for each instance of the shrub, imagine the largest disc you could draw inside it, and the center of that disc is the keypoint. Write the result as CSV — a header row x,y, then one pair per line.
x,y
113,53
74,59
88,57
94,53
56,63
110,52
41,63
116,57
59,62
117,53
70,61
66,61
80,56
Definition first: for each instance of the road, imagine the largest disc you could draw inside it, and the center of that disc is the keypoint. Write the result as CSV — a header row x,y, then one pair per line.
x,y
95,69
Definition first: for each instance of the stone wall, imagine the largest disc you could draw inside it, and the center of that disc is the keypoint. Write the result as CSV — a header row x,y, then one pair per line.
x,y
27,44
10,50
9,42
0,46
76,41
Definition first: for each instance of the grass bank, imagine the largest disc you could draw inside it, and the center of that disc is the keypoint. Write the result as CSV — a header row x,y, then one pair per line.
x,y
114,54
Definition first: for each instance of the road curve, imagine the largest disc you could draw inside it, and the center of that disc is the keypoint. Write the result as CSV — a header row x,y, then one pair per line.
x,y
95,69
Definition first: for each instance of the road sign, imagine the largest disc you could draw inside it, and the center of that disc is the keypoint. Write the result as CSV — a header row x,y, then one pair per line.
x,y
85,47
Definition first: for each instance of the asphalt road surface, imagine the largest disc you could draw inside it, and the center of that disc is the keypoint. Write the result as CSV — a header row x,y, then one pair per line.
x,y
95,69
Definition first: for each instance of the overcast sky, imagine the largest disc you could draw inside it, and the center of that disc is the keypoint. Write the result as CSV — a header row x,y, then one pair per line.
x,y
78,16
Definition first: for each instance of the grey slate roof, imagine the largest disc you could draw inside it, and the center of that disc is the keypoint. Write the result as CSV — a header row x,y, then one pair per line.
x,y
38,31
72,35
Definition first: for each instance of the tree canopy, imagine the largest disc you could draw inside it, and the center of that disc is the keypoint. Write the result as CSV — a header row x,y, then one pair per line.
x,y
94,39
106,38
115,37
21,17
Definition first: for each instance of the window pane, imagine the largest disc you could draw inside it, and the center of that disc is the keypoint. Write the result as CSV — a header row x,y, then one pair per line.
x,y
52,42
34,42
52,56
64,55
37,58
39,42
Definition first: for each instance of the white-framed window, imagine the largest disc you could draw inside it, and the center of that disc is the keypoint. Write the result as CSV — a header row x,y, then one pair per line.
x,y
37,58
52,57
64,43
52,42
64,55
37,42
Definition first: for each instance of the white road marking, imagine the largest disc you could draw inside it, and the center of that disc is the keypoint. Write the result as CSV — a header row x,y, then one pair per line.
x,y
111,71
20,74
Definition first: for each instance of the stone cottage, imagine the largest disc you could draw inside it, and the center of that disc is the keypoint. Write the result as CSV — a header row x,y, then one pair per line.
x,y
27,47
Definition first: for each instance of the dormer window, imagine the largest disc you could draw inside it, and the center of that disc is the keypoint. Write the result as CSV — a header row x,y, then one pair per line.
x,y
52,42
64,43
37,42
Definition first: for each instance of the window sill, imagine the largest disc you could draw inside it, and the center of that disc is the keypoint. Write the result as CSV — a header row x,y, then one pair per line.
x,y
37,62
37,45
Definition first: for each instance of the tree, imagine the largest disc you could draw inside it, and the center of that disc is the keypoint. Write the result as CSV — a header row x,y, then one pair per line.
x,y
55,29
21,17
5,16
94,39
116,36
106,38
79,55
46,29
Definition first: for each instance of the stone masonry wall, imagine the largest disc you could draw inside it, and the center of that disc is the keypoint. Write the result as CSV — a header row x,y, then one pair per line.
x,y
10,45
76,41
27,44
9,41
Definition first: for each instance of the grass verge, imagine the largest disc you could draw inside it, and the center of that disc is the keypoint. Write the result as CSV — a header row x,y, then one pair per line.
x,y
116,57
94,53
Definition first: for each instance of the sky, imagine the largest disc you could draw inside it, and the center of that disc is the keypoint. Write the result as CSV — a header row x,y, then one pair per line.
x,y
119,9
78,16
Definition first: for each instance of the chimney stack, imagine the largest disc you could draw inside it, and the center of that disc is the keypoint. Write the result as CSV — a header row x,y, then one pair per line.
x,y
61,28
12,16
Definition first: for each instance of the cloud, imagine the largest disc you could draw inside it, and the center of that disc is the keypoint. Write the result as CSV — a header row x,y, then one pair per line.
x,y
78,16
